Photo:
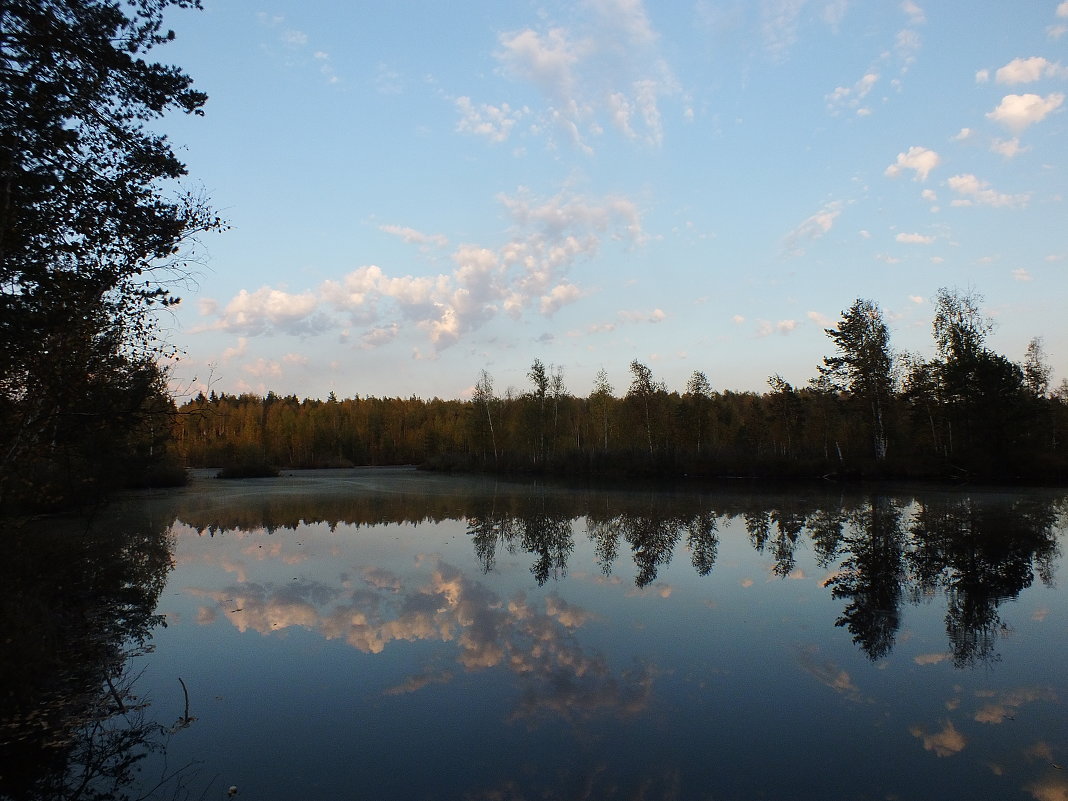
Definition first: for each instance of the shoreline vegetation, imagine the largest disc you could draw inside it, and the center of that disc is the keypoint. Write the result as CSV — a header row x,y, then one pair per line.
x,y
969,415
84,402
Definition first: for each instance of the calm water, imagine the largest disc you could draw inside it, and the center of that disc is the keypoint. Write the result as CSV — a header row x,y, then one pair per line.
x,y
384,634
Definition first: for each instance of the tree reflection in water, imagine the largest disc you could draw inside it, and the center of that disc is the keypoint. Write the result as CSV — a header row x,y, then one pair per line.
x,y
978,550
981,552
78,603
884,550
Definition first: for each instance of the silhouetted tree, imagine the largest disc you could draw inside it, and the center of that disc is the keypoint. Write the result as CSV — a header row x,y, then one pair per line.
x,y
864,365
90,232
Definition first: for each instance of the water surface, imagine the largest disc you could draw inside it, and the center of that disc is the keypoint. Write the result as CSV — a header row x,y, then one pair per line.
x,y
388,634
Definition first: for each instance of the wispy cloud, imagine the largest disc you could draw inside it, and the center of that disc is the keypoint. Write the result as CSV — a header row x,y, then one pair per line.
x,y
295,40
813,227
495,123
606,70
914,239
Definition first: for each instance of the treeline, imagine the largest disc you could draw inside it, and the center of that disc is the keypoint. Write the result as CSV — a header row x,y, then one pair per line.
x,y
969,413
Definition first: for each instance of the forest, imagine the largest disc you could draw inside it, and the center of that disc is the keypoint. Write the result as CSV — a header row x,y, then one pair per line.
x,y
969,414
98,233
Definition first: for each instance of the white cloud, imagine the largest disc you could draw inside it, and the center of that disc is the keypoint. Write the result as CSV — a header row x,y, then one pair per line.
x,y
1057,31
608,66
779,24
236,351
975,192
525,274
560,295
737,319
654,316
982,76
907,45
495,123
1028,70
965,133
814,227
1009,148
916,299
296,41
262,368
1017,112
1020,274
822,320
851,97
914,13
834,12
270,310
380,335
785,326
929,195
414,237
914,239
919,159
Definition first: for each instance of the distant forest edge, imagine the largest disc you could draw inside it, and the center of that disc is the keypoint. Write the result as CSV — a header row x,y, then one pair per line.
x,y
967,414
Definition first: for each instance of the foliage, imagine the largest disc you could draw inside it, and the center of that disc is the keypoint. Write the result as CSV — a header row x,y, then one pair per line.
x,y
864,365
968,418
90,239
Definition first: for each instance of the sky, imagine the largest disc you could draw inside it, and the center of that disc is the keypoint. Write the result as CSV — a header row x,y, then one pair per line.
x,y
419,191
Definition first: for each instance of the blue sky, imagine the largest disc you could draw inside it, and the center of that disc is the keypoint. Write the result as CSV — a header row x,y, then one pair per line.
x,y
422,190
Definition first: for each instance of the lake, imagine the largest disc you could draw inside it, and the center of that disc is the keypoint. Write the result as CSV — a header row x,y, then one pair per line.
x,y
392,634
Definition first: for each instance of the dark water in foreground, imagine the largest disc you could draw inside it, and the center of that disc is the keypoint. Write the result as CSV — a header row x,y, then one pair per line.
x,y
384,634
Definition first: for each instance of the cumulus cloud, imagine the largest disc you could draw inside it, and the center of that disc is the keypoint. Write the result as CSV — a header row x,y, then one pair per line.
x,y
1020,274
975,192
918,159
765,328
1009,148
1017,112
822,320
560,295
1028,70
527,273
1058,30
268,310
